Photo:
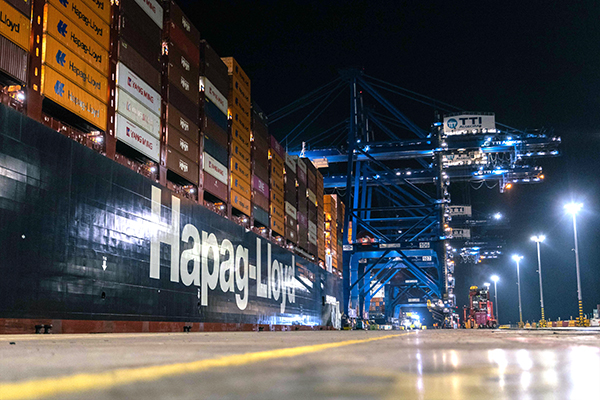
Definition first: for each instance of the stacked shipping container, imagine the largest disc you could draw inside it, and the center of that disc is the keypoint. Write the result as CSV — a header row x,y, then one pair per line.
x,y
239,125
138,103
214,91
180,89
260,168
276,179
302,204
291,200
334,224
14,41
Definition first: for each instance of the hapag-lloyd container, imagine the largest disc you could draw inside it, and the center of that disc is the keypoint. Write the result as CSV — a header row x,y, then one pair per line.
x,y
240,134
240,153
183,145
136,112
215,168
100,7
241,186
65,62
86,19
182,166
182,123
70,96
13,60
212,93
14,26
139,89
136,137
234,68
240,169
215,187
138,64
76,40
239,202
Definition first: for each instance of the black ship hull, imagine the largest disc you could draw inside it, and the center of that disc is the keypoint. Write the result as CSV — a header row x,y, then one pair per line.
x,y
91,246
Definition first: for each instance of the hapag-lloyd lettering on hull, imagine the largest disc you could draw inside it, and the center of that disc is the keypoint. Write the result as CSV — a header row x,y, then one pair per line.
x,y
213,264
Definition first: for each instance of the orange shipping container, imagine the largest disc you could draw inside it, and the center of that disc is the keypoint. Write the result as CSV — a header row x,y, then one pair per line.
x,y
240,152
277,199
68,34
14,26
277,212
240,186
64,61
241,170
239,202
234,69
86,19
100,7
241,135
277,225
73,98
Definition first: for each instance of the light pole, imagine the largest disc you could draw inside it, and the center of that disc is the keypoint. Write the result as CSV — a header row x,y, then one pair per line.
x,y
573,209
517,259
539,239
495,279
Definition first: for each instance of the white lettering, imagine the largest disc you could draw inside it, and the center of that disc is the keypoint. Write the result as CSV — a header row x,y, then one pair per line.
x,y
193,254
209,280
226,280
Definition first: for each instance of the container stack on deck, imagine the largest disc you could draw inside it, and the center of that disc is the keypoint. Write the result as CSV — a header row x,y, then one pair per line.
x,y
137,53
302,204
14,49
260,170
276,179
290,200
139,68
214,91
181,63
239,105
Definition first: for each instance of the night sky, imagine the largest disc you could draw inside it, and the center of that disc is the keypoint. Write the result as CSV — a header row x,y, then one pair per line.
x,y
535,65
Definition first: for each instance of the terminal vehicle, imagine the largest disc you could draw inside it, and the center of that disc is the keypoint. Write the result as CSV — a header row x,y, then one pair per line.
x,y
480,312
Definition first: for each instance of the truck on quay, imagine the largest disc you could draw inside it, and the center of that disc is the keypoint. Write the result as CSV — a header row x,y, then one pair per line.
x,y
480,311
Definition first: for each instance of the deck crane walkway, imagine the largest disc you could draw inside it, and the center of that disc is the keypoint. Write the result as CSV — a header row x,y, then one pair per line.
x,y
394,176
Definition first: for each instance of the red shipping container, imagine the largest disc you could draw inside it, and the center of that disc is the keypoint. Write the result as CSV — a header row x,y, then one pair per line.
x,y
138,64
182,123
182,166
182,103
259,200
183,145
215,187
261,171
177,17
278,148
213,68
185,82
178,37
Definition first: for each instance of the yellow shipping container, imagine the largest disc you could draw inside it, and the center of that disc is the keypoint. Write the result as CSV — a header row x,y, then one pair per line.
x,y
242,170
277,225
239,202
240,186
86,19
100,7
74,68
14,26
64,92
68,34
241,152
240,134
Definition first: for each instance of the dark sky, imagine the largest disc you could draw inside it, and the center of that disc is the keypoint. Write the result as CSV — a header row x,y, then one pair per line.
x,y
535,64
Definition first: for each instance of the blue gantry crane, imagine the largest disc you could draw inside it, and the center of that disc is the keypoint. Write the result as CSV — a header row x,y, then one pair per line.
x,y
394,177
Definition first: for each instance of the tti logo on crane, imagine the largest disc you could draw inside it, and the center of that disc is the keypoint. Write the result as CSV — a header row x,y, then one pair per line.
x,y
452,123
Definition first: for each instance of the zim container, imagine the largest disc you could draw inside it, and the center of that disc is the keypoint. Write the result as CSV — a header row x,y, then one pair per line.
x,y
182,123
182,166
13,60
183,145
138,64
215,187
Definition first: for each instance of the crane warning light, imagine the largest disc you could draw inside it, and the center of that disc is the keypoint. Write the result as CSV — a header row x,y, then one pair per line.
x,y
541,176
508,186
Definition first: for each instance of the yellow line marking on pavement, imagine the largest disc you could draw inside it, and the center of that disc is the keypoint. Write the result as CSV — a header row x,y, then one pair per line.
x,y
81,382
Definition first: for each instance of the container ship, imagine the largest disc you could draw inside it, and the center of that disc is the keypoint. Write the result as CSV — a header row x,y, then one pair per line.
x,y
140,189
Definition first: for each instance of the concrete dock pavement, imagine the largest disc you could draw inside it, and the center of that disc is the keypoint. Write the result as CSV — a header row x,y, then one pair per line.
x,y
432,364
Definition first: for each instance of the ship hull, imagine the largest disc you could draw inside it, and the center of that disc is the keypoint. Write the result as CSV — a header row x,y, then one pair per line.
x,y
91,246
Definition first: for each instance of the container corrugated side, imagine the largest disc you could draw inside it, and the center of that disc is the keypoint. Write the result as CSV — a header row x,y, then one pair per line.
x,y
234,69
261,217
100,7
215,187
215,132
182,166
176,56
185,82
182,123
240,186
86,19
183,145
182,103
178,38
13,60
213,112
138,64
150,50
131,12
213,148
14,26
24,6
177,16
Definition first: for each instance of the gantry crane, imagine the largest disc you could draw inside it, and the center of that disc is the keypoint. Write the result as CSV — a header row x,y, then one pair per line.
x,y
394,177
